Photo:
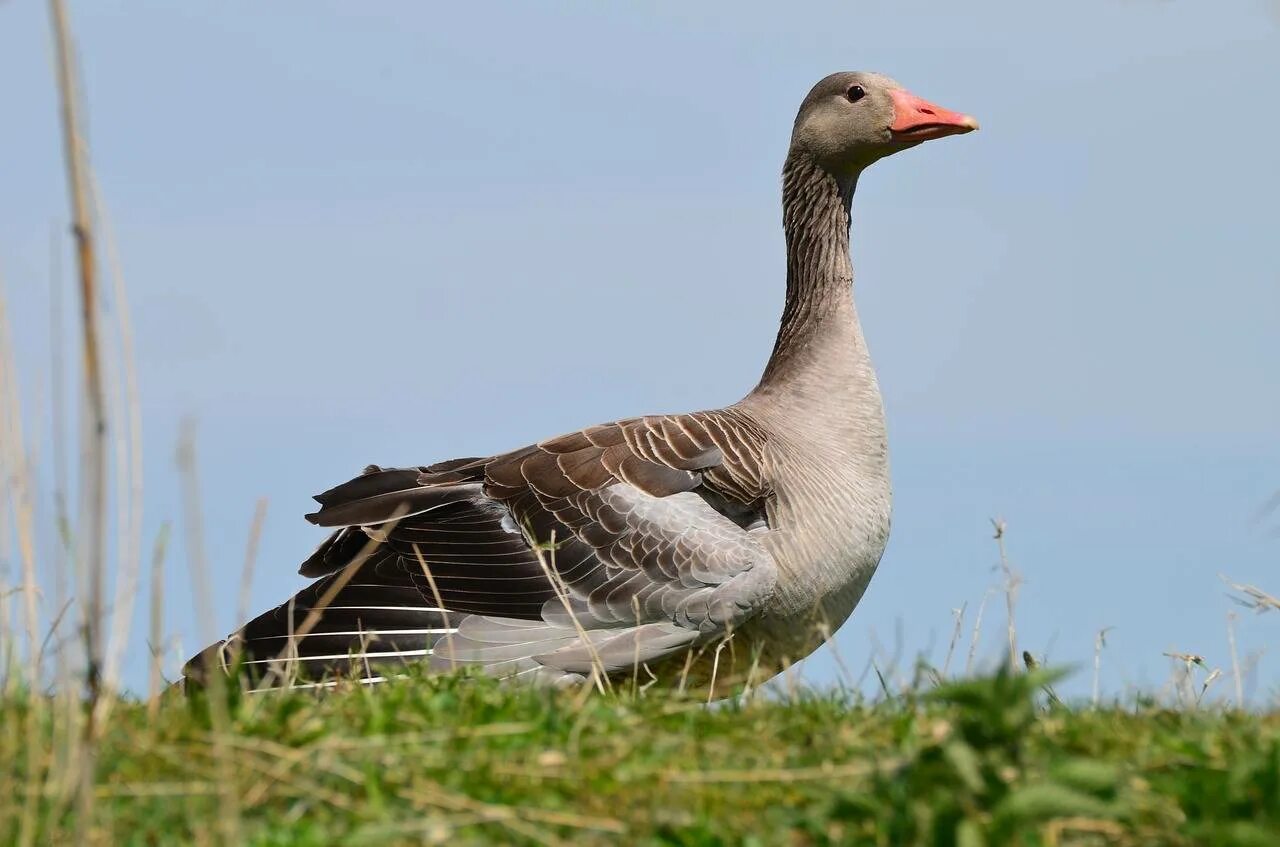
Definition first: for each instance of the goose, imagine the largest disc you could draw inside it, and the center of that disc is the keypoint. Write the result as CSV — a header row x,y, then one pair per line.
x,y
711,547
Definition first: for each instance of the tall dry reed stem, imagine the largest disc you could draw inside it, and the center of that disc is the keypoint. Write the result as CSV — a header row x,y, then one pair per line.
x,y
7,659
250,558
1235,660
155,633
121,373
17,468
977,631
958,614
94,430
93,498
60,780
246,573
1099,642
193,528
1012,580
58,422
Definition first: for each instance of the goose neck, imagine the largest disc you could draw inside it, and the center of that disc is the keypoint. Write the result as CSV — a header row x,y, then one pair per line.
x,y
819,304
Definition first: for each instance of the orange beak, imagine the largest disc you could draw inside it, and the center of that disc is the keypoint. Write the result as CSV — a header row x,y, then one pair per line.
x,y
917,120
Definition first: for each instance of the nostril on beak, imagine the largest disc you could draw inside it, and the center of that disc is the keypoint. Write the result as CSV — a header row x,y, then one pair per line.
x,y
928,111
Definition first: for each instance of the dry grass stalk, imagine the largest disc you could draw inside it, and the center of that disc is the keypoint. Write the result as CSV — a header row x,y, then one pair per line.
x,y
58,422
1112,832
246,572
789,679
8,681
684,672
1252,597
1248,667
1184,677
635,655
847,680
1099,641
1214,676
1186,658
291,647
599,678
436,796
824,772
250,557
888,668
958,614
288,656
1011,582
155,685
121,372
977,631
435,595
94,430
17,472
1264,511
67,715
229,820
1235,659
715,668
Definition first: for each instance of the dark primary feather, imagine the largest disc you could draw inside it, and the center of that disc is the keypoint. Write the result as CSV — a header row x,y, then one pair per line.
x,y
378,618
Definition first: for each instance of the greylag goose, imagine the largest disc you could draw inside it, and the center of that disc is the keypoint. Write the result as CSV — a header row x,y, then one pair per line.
x,y
647,545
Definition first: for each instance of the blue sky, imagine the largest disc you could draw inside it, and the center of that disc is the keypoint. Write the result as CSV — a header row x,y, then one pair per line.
x,y
395,233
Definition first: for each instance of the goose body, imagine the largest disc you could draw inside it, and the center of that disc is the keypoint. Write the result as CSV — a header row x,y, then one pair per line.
x,y
709,546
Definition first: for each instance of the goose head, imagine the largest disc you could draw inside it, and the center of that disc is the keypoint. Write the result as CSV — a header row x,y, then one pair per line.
x,y
852,119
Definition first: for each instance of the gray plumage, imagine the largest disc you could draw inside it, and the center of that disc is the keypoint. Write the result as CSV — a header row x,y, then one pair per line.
x,y
652,541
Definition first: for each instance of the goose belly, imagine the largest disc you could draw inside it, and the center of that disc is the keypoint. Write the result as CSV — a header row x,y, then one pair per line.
x,y
827,549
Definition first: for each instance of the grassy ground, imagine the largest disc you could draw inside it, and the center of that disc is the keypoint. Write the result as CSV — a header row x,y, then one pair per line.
x,y
465,761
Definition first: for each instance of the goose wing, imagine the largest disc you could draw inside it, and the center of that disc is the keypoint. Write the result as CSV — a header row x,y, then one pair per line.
x,y
617,544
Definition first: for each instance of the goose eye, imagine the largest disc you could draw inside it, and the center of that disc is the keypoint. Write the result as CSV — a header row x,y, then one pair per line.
x,y
855,93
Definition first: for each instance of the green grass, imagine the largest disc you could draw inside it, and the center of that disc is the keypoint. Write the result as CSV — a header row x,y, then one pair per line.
x,y
468,761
